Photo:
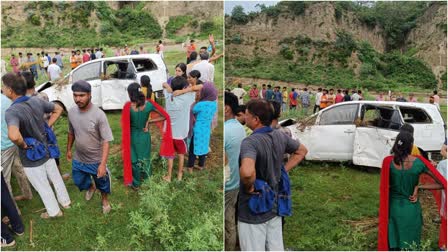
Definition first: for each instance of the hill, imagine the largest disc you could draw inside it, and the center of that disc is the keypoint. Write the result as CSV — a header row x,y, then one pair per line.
x,y
87,23
381,45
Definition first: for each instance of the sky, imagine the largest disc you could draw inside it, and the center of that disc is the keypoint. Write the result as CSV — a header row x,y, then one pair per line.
x,y
247,5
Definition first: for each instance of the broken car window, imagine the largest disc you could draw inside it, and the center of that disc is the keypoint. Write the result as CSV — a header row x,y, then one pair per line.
x,y
344,114
142,65
381,117
118,70
87,72
414,115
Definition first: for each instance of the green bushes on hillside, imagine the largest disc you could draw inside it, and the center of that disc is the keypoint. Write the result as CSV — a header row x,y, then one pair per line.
x,y
128,25
328,64
176,23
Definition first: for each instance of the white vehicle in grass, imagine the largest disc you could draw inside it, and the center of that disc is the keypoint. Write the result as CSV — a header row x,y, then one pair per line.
x,y
364,132
109,78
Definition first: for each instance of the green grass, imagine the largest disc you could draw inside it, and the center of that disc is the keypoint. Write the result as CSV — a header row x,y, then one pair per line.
x,y
335,207
184,215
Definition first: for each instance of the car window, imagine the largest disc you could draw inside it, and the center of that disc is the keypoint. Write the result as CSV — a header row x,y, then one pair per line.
x,y
381,117
414,115
343,114
142,65
118,70
87,72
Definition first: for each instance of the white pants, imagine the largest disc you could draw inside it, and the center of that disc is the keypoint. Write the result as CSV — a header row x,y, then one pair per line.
x,y
260,237
39,178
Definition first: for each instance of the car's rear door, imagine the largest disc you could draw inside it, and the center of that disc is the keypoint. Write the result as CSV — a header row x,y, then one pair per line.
x,y
117,75
429,131
375,136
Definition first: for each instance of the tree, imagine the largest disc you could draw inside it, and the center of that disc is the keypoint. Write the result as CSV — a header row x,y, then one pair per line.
x,y
238,15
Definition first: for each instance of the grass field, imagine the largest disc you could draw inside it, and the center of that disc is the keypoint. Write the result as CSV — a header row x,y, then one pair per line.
x,y
184,215
335,207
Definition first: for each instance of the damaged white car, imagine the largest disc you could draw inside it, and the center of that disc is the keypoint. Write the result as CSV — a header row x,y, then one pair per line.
x,y
109,78
364,131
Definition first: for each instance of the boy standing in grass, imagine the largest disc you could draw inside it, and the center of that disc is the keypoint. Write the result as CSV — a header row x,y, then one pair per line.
x,y
178,108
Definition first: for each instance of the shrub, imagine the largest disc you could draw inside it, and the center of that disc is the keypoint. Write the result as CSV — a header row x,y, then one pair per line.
x,y
238,15
34,19
207,27
176,23
236,39
286,52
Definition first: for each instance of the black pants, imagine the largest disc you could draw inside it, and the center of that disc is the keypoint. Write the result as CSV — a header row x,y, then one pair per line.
x,y
316,107
9,209
192,156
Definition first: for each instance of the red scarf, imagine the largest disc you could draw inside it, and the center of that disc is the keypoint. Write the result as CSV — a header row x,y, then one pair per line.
x,y
383,242
166,146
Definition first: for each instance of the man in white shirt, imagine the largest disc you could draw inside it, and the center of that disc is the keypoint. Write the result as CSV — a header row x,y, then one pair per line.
x,y
54,71
98,53
356,96
240,93
206,69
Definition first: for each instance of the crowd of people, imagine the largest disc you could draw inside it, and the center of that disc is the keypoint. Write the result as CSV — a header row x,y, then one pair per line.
x,y
259,154
51,67
300,98
31,154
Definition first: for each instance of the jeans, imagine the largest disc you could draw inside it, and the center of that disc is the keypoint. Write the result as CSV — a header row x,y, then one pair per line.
x,y
192,156
10,210
231,199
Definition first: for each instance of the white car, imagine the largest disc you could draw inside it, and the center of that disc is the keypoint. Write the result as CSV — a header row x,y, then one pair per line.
x,y
364,131
109,78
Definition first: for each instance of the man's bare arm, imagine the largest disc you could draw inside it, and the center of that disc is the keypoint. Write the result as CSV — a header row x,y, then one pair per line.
x,y
296,157
248,174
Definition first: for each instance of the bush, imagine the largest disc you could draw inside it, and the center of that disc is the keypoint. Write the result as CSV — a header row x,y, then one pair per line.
x,y
207,27
236,39
286,52
408,70
238,15
443,79
367,70
197,224
138,23
34,19
176,23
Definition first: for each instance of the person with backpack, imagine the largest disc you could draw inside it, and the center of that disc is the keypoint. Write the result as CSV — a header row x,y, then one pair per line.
x,y
263,177
26,129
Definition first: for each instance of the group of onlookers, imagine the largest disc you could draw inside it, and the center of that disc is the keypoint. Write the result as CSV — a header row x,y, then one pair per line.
x,y
298,98
43,63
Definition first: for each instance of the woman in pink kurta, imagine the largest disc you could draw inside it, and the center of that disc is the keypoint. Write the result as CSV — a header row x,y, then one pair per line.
x,y
14,63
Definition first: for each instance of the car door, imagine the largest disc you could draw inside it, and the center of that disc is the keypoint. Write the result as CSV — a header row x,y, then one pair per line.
x,y
117,75
90,72
331,137
375,136
428,129
154,68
